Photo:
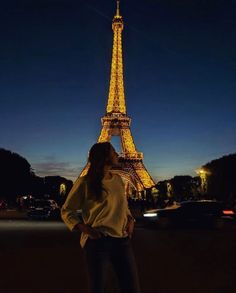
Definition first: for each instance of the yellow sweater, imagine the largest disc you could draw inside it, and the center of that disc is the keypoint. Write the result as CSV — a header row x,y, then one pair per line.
x,y
108,216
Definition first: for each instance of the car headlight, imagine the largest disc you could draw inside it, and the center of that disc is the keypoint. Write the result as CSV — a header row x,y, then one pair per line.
x,y
150,215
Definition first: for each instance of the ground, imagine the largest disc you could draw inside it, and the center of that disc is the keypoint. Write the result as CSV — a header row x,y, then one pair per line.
x,y
44,257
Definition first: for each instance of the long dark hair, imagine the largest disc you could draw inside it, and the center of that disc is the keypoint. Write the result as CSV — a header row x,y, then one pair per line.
x,y
99,156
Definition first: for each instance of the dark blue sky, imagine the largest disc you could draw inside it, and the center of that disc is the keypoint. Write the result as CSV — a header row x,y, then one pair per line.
x,y
180,81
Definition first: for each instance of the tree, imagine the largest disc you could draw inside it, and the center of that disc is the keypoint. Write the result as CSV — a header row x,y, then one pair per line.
x,y
182,187
162,188
15,175
179,188
18,179
221,178
52,186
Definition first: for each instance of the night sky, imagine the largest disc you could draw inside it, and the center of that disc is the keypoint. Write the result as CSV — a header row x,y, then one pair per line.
x,y
179,73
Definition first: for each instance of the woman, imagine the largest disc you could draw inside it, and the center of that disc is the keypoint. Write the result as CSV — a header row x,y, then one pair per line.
x,y
107,222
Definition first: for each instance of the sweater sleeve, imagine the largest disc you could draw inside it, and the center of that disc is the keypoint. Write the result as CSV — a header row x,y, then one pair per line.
x,y
128,212
73,203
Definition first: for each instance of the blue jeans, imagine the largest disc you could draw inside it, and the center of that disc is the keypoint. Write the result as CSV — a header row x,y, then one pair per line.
x,y
105,251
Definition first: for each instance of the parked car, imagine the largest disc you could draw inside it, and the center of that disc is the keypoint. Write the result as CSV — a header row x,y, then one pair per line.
x,y
44,209
204,213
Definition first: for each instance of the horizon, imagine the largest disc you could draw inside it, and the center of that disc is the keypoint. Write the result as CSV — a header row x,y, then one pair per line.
x,y
55,175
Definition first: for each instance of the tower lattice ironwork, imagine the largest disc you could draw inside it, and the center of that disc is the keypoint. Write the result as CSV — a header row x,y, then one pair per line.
x,y
116,121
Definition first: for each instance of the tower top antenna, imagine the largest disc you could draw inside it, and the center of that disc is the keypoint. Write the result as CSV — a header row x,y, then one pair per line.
x,y
118,8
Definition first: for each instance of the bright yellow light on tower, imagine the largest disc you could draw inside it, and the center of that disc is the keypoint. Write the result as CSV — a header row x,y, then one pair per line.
x,y
116,122
116,97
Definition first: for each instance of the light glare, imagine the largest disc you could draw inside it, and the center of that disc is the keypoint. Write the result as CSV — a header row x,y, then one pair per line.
x,y
150,215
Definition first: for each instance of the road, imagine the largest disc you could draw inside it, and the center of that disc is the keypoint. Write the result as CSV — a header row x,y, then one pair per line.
x,y
44,257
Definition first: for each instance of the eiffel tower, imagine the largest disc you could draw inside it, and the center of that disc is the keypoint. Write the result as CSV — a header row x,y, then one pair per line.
x,y
117,123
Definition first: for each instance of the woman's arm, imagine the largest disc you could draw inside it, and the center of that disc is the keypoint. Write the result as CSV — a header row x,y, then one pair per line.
x,y
92,233
73,203
130,225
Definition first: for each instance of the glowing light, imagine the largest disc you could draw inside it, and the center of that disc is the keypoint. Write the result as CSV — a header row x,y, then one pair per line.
x,y
145,178
203,175
228,212
202,172
150,215
116,97
62,189
116,122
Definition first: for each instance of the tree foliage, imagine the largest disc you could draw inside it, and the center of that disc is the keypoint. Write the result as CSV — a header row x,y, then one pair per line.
x,y
221,178
18,179
15,175
162,188
183,187
179,188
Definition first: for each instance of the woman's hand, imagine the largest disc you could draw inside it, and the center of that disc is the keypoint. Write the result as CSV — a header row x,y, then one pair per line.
x,y
92,233
130,226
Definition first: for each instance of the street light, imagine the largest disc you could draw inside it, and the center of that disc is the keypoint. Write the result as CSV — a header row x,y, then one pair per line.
x,y
62,189
203,176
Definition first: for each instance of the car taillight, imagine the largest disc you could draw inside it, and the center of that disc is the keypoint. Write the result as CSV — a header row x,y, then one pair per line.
x,y
228,212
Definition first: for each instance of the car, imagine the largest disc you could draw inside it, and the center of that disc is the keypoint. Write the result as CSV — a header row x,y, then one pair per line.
x,y
42,209
229,212
199,213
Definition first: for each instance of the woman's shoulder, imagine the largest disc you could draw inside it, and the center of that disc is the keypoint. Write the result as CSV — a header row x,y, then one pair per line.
x,y
118,178
113,175
83,178
80,181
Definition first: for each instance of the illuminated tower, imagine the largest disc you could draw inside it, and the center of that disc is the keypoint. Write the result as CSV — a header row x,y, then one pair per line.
x,y
117,123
